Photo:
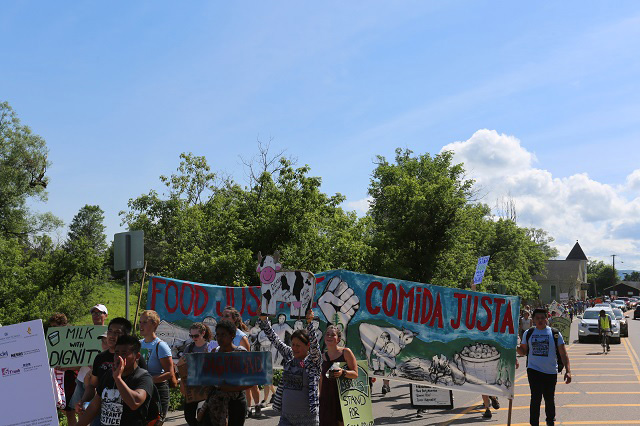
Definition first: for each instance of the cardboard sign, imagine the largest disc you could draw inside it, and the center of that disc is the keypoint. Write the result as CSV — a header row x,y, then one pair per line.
x,y
355,398
431,397
25,376
564,327
191,393
481,267
229,368
556,307
297,288
74,346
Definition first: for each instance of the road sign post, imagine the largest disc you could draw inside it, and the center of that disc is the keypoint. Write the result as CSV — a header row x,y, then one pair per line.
x,y
128,253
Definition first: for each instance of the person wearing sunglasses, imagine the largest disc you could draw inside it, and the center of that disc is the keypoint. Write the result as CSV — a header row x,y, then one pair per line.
x,y
201,335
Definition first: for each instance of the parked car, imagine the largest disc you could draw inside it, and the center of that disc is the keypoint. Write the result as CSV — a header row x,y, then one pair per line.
x,y
636,313
625,299
620,304
588,326
622,319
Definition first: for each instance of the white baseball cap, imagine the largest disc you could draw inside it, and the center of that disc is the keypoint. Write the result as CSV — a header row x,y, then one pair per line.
x,y
101,308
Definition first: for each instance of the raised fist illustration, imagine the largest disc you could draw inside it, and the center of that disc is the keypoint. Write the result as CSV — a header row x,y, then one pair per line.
x,y
339,299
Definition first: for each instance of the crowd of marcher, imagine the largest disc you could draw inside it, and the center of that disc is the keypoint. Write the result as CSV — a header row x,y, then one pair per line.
x,y
129,382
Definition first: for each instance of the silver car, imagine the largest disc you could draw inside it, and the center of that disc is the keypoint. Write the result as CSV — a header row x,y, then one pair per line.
x,y
622,319
588,327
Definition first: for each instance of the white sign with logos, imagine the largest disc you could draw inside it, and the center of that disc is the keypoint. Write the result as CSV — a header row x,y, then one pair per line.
x,y
430,397
25,375
564,297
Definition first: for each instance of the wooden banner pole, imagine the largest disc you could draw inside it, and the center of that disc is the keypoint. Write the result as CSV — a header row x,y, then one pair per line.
x,y
510,410
144,273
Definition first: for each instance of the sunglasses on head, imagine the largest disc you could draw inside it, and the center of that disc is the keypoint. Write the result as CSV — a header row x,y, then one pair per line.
x,y
193,336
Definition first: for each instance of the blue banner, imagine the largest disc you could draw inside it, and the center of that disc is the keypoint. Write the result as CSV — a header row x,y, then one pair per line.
x,y
406,331
229,368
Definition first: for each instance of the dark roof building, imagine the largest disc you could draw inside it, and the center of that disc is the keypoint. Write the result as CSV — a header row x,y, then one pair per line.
x,y
576,253
564,280
625,288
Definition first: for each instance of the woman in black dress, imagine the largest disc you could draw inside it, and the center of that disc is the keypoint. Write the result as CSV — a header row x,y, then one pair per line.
x,y
330,411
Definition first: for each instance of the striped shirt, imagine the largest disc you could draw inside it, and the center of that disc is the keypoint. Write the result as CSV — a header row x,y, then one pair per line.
x,y
312,364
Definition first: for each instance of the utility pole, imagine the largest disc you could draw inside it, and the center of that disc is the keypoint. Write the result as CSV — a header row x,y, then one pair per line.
x,y
613,256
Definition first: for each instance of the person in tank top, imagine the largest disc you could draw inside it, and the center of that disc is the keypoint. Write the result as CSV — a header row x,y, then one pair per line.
x,y
330,410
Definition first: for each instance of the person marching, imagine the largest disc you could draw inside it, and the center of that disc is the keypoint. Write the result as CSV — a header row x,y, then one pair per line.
x,y
297,395
124,393
538,343
330,410
604,327
227,402
241,339
201,335
157,354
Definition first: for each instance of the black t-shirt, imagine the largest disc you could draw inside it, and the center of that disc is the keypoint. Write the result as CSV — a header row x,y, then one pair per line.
x,y
103,362
114,411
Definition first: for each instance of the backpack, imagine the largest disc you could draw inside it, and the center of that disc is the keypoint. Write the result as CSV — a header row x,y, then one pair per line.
x,y
556,334
154,416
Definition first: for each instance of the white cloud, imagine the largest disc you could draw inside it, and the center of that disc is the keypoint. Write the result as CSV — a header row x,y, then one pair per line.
x,y
360,206
570,208
633,180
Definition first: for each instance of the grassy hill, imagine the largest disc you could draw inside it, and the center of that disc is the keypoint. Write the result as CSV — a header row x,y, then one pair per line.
x,y
112,295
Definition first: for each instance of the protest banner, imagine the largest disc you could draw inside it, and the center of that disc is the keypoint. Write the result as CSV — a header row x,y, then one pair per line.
x,y
406,331
229,368
355,397
564,326
426,397
74,346
25,376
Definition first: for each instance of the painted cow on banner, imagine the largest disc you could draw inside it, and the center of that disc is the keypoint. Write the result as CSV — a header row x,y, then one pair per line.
x,y
294,287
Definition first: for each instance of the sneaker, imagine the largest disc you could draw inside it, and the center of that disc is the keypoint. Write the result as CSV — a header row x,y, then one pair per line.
x,y
494,402
487,414
248,415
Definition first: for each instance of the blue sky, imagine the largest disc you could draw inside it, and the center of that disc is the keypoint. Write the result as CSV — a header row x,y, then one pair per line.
x,y
120,89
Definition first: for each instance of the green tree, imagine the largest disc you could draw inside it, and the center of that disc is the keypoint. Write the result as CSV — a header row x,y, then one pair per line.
x,y
38,277
428,228
23,167
209,229
88,224
543,240
633,276
599,276
418,202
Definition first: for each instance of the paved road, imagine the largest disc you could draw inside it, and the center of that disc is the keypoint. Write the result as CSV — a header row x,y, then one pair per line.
x,y
605,391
